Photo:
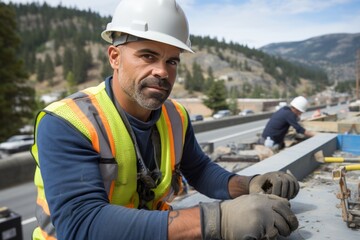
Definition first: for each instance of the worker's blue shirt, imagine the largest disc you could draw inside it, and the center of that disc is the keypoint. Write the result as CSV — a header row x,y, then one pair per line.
x,y
279,124
74,188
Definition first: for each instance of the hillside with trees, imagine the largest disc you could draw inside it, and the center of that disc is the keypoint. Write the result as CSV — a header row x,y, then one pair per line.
x,y
62,44
62,51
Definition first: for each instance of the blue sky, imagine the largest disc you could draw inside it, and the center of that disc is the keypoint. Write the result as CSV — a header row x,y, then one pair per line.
x,y
254,23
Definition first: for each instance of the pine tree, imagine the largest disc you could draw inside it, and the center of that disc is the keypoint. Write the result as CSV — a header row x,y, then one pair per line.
x,y
17,101
233,106
198,78
81,63
49,70
216,96
58,60
67,61
40,70
71,84
188,80
210,79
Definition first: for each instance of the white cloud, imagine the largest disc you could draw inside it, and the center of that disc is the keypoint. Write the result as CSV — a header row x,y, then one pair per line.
x,y
275,7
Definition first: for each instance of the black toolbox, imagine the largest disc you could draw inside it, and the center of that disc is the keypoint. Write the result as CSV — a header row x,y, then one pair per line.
x,y
10,225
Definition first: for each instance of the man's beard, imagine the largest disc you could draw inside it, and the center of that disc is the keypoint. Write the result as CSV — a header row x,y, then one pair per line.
x,y
152,100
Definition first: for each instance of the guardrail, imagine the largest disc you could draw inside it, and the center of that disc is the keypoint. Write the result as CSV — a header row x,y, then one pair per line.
x,y
204,126
228,121
15,169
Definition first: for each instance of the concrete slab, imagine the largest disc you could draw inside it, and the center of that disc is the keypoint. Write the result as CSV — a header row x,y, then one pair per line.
x,y
318,209
316,206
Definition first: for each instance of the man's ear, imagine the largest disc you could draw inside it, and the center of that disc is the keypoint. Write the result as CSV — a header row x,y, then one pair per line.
x,y
114,56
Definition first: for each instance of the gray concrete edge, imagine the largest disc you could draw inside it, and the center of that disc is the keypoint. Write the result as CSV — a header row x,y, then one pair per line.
x,y
16,169
298,159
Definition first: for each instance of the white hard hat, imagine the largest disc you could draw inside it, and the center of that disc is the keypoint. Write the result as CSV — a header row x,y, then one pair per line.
x,y
158,20
300,103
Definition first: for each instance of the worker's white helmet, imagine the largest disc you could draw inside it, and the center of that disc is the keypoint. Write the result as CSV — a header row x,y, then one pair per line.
x,y
158,20
300,103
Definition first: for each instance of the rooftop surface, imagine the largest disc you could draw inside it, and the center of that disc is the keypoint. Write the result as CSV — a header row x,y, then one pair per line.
x,y
316,206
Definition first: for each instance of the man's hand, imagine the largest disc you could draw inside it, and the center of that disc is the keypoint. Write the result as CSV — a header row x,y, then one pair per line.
x,y
254,216
278,183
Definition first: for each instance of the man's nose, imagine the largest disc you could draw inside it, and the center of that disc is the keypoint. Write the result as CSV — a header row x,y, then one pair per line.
x,y
160,70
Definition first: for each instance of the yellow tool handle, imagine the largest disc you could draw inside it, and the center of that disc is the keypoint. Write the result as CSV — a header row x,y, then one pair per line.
x,y
334,159
352,167
341,159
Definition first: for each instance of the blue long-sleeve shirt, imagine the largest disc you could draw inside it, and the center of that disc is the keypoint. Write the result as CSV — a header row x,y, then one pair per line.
x,y
75,193
279,124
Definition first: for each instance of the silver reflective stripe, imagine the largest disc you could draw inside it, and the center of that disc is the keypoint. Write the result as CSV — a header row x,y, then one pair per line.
x,y
93,116
107,164
177,129
109,173
44,221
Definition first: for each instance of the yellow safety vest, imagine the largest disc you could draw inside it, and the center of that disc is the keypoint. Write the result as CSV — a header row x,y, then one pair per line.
x,y
92,112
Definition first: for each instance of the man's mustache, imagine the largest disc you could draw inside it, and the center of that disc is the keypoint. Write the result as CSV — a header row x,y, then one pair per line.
x,y
161,83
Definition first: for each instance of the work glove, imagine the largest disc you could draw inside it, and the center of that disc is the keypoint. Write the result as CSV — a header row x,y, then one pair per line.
x,y
278,183
250,217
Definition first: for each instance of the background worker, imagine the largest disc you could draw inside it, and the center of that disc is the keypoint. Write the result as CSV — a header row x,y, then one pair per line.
x,y
280,122
110,158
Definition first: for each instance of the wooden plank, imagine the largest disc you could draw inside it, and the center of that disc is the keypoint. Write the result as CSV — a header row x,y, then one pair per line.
x,y
324,118
346,127
318,126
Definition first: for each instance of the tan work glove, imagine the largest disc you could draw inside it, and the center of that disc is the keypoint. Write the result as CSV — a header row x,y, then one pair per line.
x,y
251,217
278,183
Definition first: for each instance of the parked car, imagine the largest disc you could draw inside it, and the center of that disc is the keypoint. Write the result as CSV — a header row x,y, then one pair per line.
x,y
221,114
15,144
246,112
196,117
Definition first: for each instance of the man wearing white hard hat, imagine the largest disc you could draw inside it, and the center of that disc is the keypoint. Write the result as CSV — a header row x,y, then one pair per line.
x,y
280,122
110,158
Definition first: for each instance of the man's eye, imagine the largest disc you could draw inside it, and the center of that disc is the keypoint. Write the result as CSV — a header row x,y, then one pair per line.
x,y
173,62
148,56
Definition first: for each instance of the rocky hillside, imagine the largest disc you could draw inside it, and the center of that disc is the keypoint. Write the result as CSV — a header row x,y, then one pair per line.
x,y
62,49
335,53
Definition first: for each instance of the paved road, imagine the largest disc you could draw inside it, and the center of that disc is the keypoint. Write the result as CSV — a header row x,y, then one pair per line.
x,y
21,199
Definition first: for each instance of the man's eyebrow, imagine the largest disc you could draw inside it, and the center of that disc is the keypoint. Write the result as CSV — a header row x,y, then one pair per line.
x,y
147,50
175,59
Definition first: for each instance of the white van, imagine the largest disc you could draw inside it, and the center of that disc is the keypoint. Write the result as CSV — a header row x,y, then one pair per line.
x,y
221,114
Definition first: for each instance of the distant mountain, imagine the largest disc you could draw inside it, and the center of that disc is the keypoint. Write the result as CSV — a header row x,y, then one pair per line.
x,y
335,53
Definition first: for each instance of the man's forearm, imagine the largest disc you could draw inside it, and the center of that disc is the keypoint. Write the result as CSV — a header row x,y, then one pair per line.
x,y
309,133
184,224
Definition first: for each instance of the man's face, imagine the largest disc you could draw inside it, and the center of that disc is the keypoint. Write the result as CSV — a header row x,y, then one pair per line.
x,y
147,71
298,113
